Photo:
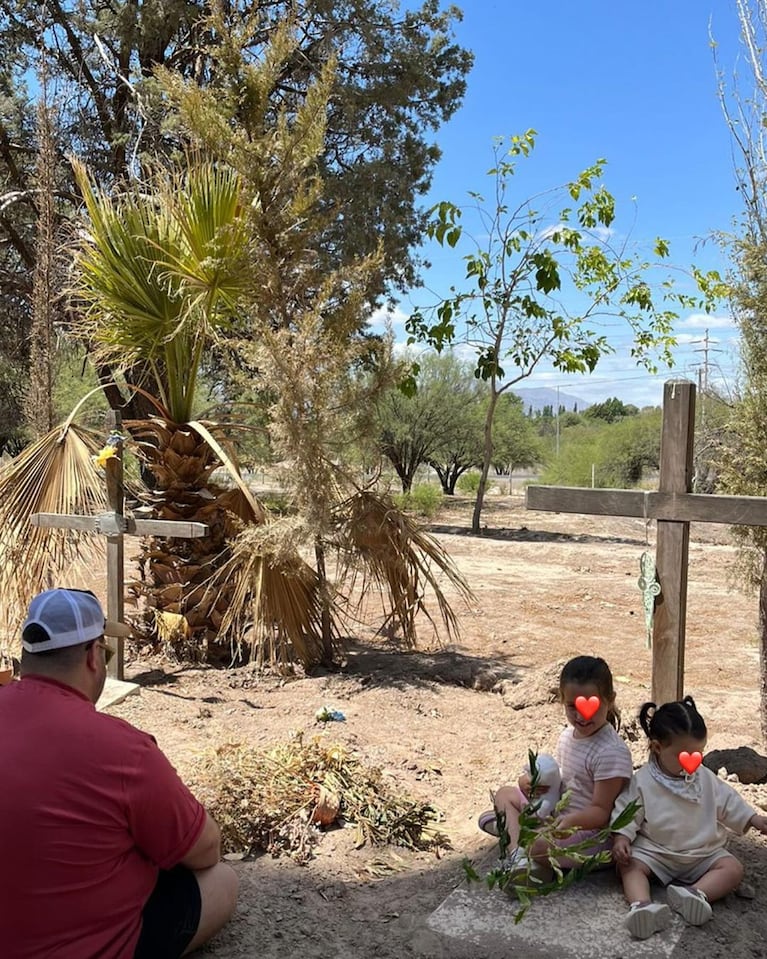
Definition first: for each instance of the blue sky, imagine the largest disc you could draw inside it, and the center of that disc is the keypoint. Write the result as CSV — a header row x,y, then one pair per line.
x,y
634,83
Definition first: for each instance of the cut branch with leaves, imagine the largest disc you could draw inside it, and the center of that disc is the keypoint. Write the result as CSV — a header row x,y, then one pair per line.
x,y
524,884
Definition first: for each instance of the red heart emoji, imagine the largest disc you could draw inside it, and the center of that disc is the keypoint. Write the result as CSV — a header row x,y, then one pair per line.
x,y
587,707
690,761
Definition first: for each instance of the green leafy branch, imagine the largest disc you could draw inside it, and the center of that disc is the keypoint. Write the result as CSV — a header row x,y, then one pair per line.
x,y
523,883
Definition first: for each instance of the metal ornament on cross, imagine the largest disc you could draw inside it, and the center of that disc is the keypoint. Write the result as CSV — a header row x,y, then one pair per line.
x,y
115,525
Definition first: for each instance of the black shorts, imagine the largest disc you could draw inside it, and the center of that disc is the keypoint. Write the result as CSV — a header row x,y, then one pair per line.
x,y
171,915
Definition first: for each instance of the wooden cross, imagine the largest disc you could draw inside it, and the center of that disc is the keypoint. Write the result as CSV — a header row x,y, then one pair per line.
x,y
674,507
114,525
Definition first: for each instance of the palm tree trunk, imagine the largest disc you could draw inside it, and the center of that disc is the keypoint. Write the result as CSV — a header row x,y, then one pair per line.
x,y
178,570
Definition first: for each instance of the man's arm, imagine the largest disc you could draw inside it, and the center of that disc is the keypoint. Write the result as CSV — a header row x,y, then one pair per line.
x,y
207,850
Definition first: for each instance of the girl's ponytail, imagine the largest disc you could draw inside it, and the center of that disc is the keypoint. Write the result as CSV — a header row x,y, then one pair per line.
x,y
645,717
662,723
614,716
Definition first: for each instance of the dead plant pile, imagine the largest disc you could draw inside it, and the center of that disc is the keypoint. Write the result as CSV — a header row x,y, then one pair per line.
x,y
279,800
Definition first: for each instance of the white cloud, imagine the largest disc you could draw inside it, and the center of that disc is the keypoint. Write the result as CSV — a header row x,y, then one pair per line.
x,y
601,233
383,317
703,321
685,339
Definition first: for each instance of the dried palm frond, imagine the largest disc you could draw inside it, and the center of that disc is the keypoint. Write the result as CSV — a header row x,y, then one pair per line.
x,y
274,599
268,799
54,475
392,553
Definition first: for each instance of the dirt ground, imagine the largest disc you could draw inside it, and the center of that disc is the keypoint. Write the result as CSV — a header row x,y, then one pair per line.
x,y
448,724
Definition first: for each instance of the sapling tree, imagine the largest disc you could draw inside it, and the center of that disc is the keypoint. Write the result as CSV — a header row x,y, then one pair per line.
x,y
540,275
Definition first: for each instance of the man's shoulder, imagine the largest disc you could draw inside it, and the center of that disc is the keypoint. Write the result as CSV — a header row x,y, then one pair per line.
x,y
117,728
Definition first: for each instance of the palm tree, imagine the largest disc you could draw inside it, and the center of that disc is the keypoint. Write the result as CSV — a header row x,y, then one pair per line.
x,y
157,276
222,255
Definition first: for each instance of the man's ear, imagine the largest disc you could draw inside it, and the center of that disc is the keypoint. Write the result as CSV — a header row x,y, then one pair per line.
x,y
654,746
91,657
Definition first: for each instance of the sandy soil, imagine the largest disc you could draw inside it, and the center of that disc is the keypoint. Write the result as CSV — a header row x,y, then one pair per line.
x,y
449,724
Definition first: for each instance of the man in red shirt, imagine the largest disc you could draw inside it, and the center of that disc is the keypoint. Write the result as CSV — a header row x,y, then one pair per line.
x,y
104,852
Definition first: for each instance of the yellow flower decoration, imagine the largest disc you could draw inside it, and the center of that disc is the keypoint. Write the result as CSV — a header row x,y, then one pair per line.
x,y
107,453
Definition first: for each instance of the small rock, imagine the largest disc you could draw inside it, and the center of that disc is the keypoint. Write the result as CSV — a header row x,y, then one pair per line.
x,y
745,891
744,762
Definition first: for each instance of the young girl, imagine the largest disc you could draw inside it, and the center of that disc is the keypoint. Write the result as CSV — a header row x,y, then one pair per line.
x,y
678,834
594,761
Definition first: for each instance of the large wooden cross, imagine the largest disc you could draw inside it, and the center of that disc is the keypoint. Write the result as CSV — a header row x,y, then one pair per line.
x,y
114,525
674,507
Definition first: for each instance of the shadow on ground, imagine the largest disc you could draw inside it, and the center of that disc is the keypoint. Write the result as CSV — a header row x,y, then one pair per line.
x,y
288,910
406,668
524,535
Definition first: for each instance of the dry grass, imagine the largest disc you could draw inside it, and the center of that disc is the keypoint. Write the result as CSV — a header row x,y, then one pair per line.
x,y
391,553
56,474
270,800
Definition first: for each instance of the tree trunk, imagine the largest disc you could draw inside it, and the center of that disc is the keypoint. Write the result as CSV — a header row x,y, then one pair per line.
x,y
443,475
327,623
763,645
38,401
406,475
487,459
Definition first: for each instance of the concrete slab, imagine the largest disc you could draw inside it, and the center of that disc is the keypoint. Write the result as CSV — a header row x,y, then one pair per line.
x,y
582,922
115,691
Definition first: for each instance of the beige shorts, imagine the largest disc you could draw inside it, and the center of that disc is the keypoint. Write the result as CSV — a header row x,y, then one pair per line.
x,y
677,868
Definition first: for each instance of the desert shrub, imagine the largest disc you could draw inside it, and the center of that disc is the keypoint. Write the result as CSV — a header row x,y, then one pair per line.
x,y
424,499
278,503
468,483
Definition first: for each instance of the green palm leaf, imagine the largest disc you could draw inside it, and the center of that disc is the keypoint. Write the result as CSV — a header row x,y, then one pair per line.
x,y
159,273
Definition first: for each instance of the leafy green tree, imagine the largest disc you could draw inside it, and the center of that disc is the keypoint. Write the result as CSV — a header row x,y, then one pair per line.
x,y
616,455
610,410
459,447
439,423
513,315
515,442
629,448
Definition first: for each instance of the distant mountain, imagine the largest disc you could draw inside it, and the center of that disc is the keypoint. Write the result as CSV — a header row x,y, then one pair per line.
x,y
540,396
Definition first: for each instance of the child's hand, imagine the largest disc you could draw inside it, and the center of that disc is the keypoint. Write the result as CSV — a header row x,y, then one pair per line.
x,y
621,851
524,785
760,823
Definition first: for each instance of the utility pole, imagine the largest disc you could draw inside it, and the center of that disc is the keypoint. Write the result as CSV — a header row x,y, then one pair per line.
x,y
703,379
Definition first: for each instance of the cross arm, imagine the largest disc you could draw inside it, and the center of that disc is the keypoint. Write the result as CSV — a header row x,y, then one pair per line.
x,y
673,507
109,524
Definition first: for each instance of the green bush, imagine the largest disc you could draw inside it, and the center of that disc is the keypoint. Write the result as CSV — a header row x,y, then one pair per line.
x,y
424,499
468,483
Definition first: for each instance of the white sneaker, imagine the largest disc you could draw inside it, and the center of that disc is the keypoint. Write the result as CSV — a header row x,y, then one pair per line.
x,y
643,921
517,867
690,903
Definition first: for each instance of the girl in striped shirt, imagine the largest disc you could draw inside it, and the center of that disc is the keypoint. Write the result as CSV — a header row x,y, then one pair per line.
x,y
595,764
